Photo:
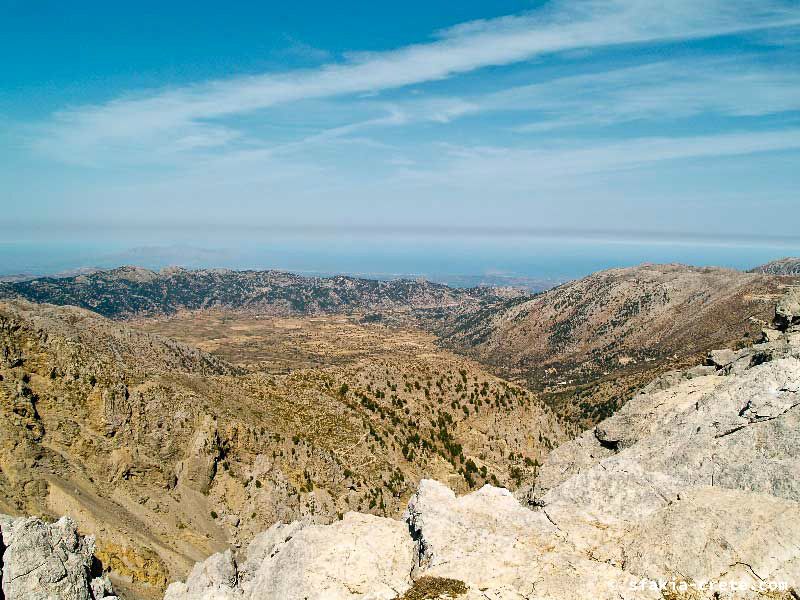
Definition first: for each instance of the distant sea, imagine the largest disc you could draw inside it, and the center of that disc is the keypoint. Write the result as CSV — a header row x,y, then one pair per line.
x,y
524,261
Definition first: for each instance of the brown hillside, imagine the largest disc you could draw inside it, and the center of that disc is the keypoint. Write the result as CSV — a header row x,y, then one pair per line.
x,y
589,343
167,453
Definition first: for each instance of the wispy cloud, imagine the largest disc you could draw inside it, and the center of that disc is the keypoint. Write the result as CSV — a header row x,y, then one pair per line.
x,y
666,90
153,125
525,169
295,48
662,91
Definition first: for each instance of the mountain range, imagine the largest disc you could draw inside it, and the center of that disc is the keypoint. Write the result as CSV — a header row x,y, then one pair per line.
x,y
134,291
784,266
178,413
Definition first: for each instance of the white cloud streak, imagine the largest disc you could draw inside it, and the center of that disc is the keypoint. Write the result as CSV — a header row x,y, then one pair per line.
x,y
660,92
666,90
159,124
525,169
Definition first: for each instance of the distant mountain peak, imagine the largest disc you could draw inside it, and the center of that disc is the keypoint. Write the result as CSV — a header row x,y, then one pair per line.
x,y
785,266
135,291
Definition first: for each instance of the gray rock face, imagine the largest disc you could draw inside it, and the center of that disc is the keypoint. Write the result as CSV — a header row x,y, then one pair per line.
x,y
5,521
502,550
362,556
787,313
198,469
486,540
725,357
754,534
740,432
116,408
43,561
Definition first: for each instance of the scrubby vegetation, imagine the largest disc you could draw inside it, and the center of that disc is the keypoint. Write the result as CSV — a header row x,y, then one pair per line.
x,y
434,588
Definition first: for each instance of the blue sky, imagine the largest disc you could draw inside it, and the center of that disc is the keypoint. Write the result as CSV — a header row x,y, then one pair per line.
x,y
631,117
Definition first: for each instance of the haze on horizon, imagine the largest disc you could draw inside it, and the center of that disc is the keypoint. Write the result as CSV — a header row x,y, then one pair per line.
x,y
618,116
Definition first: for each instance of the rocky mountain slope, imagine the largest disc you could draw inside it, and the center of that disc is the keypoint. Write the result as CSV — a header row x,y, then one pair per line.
x,y
785,266
587,345
167,454
129,291
692,490
591,343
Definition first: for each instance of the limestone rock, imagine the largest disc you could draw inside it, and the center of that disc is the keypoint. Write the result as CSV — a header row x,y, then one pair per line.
x,y
650,412
100,587
787,312
769,335
710,532
5,522
116,408
361,556
44,561
197,470
214,578
457,533
565,461
738,431
485,543
725,357
501,549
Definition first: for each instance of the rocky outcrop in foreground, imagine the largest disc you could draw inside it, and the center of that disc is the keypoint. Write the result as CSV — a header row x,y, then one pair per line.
x,y
690,490
42,561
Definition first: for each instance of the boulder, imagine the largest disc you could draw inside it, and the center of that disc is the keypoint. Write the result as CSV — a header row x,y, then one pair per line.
x,y
769,335
787,312
455,534
215,578
43,561
722,358
361,556
502,550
